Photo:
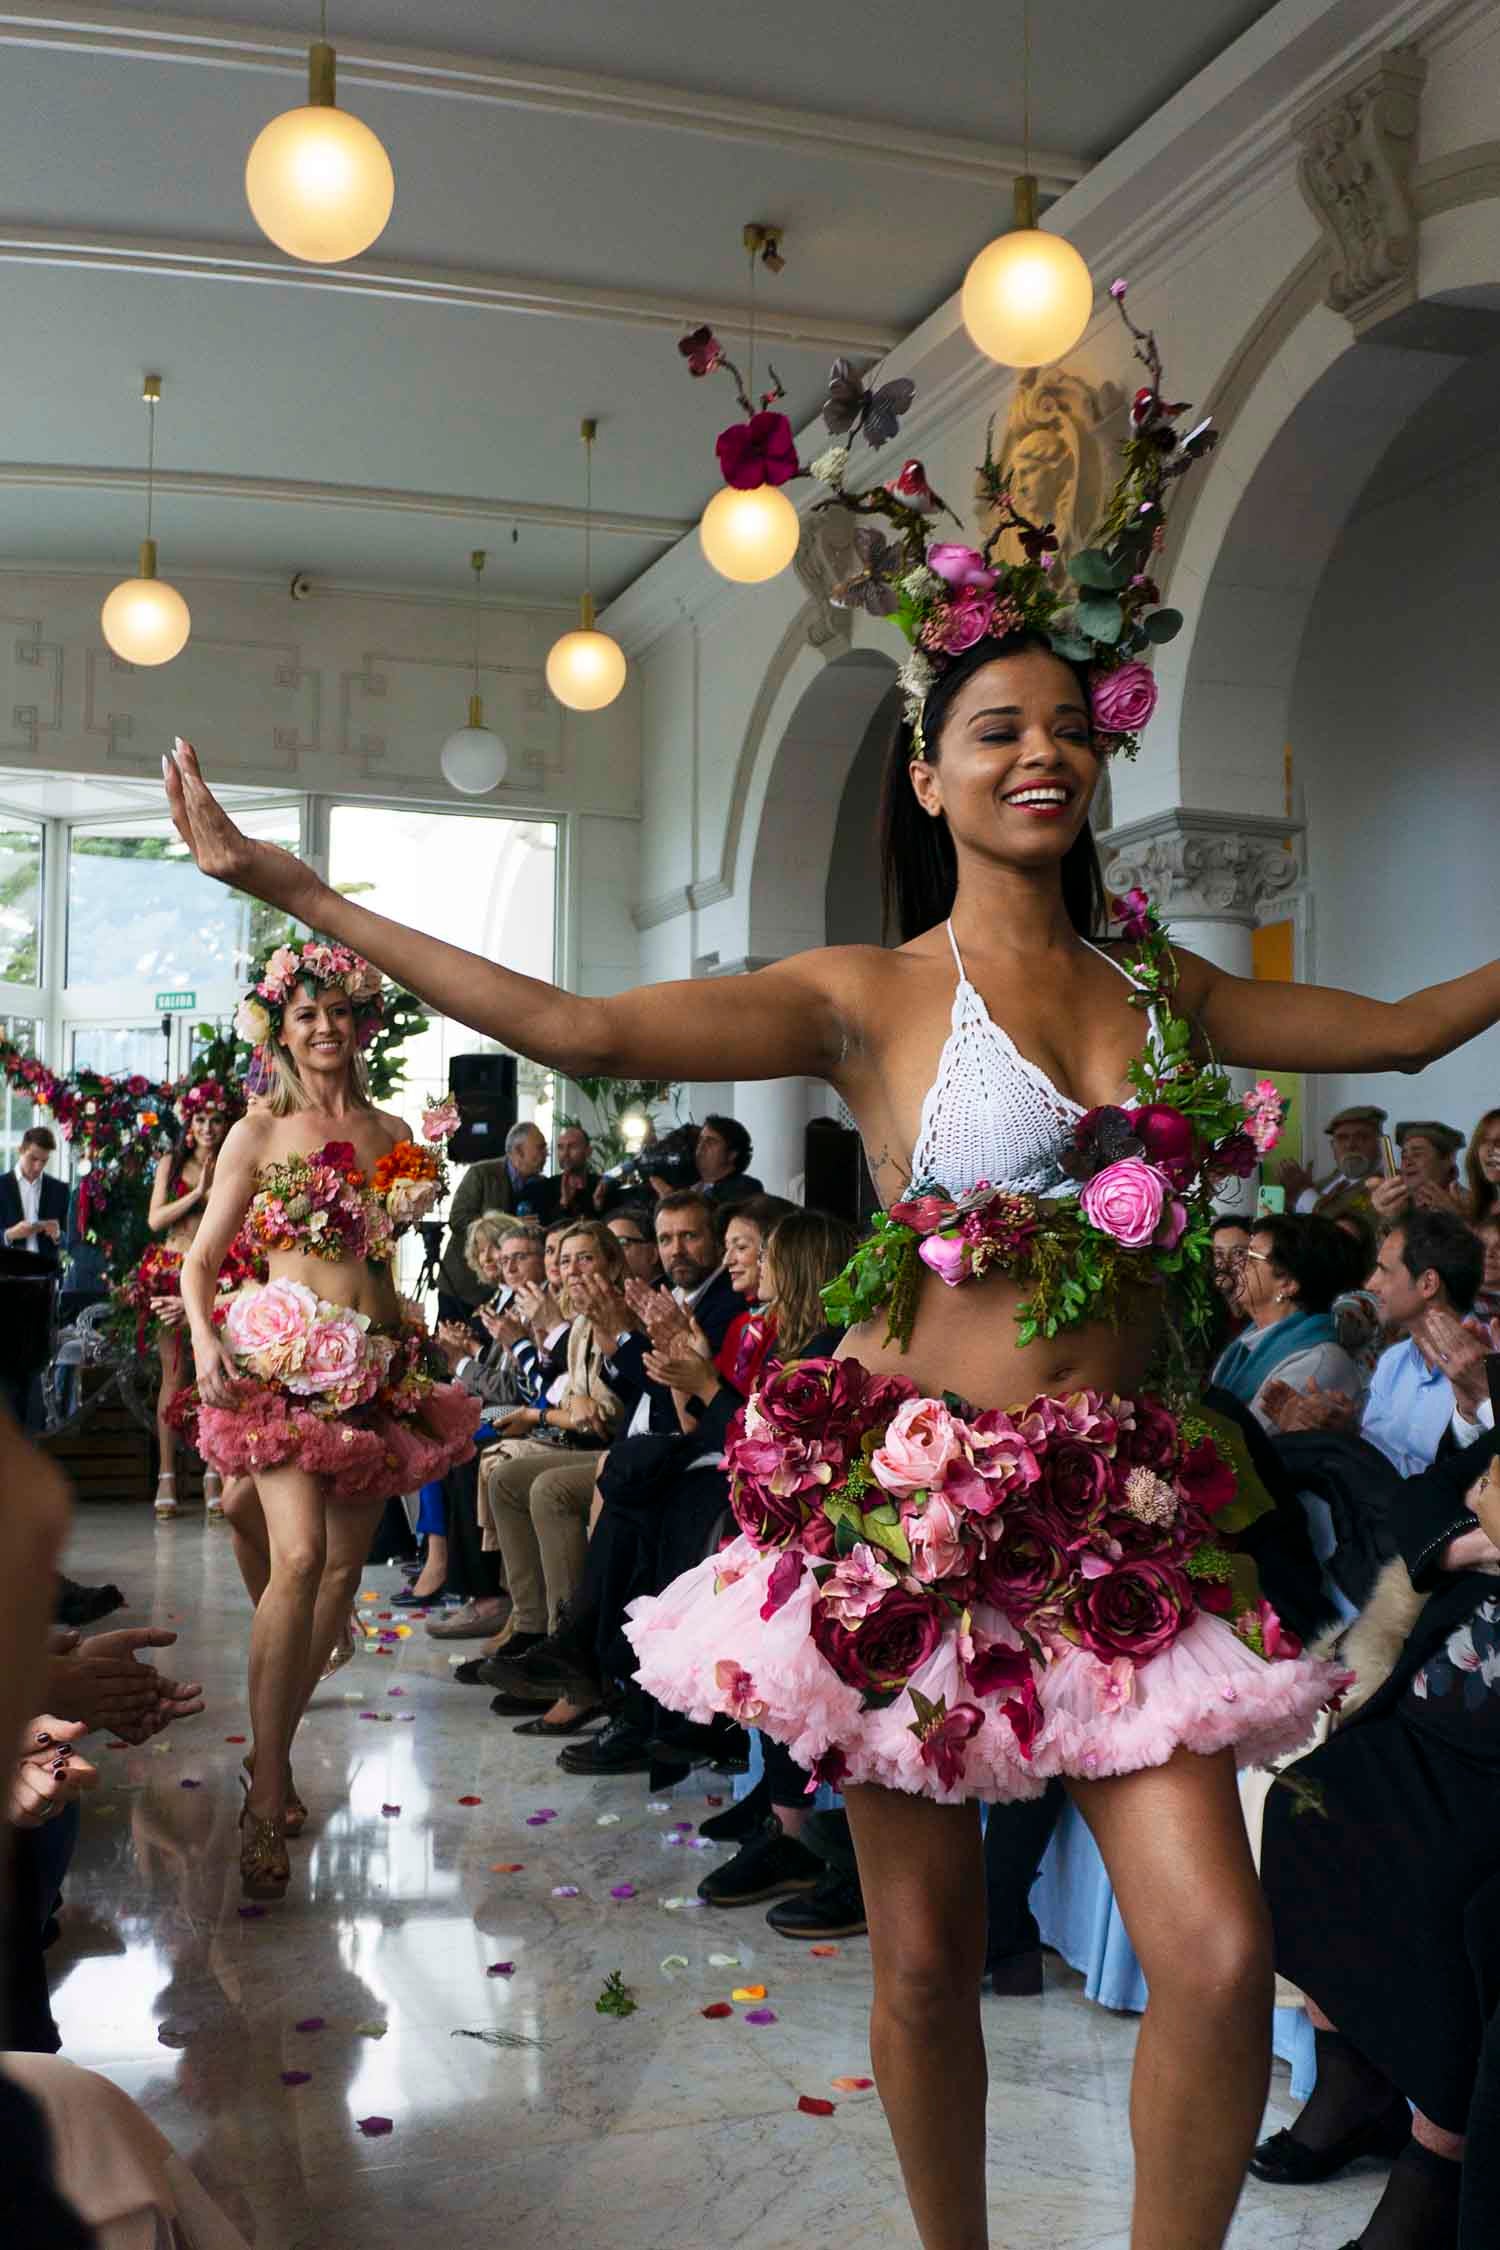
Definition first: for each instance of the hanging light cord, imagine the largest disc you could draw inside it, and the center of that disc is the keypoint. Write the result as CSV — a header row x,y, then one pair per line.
x,y
588,515
1026,82
323,21
150,458
478,597
750,355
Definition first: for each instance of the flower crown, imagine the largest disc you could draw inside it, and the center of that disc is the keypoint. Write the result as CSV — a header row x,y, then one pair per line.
x,y
312,961
208,1097
1103,609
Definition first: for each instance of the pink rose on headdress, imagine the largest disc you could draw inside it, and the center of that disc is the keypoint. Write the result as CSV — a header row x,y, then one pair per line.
x,y
1125,1200
960,566
965,620
269,1328
279,974
921,1441
760,451
1123,699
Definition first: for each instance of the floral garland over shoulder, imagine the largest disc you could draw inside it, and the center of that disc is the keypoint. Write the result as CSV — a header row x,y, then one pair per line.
x,y
1141,1217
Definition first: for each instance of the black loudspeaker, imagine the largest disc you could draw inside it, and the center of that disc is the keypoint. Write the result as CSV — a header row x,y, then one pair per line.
x,y
484,1087
837,1178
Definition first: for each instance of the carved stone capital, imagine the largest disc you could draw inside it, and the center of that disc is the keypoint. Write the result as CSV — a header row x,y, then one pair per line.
x,y
825,557
1203,866
1358,154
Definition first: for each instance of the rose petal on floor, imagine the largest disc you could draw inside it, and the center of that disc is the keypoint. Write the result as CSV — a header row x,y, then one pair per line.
x,y
717,2011
189,1784
823,1952
761,2015
250,1913
623,1890
724,1960
390,1811
565,1890
295,2077
371,2126
227,1738
471,1800
658,1804
851,2085
501,1969
811,2106
748,1992
507,1866
608,1820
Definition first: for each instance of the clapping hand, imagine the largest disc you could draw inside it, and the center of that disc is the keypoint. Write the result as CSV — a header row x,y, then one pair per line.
x,y
99,1683
47,1777
1453,1350
683,1370
502,1327
1295,1178
454,1342
603,1306
1312,1409
659,1314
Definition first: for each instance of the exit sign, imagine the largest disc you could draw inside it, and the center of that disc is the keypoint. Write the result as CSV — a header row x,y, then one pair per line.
x,y
175,1003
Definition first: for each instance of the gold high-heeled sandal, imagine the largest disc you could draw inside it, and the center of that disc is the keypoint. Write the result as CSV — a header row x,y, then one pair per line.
x,y
294,1819
265,1869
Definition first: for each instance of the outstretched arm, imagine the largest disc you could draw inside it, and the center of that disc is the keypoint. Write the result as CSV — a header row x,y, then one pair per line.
x,y
1316,1027
779,1022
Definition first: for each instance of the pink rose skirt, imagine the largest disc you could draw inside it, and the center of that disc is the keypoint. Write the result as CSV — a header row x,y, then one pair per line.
x,y
408,1429
965,1605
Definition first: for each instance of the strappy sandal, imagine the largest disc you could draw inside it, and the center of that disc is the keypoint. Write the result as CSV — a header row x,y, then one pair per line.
x,y
265,1869
165,1503
342,1651
294,1819
213,1496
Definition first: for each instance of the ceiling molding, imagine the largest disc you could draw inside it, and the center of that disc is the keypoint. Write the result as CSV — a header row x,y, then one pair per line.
x,y
467,507
208,42
417,283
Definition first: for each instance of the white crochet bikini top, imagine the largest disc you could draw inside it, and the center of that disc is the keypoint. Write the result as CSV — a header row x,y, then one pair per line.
x,y
990,1114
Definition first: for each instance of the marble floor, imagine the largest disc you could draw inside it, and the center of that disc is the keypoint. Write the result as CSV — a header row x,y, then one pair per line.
x,y
420,1870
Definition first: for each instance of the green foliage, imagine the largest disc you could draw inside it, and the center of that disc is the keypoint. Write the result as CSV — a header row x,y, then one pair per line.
x,y
613,1100
617,1998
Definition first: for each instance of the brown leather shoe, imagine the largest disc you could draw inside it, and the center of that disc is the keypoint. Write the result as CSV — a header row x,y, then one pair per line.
x,y
471,1623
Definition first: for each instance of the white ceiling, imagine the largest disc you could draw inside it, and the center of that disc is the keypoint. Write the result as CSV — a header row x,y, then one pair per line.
x,y
364,427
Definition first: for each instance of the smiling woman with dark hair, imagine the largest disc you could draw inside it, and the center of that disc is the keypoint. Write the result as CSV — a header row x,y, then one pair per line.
x,y
1292,1272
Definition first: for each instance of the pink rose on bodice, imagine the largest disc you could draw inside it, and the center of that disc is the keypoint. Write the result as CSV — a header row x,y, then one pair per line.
x,y
921,1441
948,1255
335,1354
410,1200
1125,1200
268,1328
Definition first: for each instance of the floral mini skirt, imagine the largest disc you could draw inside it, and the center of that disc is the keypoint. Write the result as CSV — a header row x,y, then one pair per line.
x,y
963,1604
325,1390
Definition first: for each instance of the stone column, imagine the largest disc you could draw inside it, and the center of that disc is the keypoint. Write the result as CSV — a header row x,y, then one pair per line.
x,y
774,1112
1208,874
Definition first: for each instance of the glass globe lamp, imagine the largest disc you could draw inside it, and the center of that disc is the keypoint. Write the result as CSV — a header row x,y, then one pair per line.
x,y
1028,297
474,759
318,181
586,668
145,620
749,536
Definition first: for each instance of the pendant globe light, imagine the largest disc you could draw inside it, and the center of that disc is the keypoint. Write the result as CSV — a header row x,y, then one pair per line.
x,y
586,669
1029,296
319,182
144,620
474,758
751,534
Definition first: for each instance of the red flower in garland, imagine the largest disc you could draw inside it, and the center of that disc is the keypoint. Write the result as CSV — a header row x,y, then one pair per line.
x,y
760,451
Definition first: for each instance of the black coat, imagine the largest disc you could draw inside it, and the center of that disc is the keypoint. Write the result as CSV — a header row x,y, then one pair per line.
x,y
54,1206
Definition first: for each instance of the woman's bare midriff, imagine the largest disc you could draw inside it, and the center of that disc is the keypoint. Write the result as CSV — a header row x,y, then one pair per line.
x,y
368,1289
964,1341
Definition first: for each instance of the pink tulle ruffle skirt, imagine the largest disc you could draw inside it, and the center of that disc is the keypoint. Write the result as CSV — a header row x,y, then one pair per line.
x,y
974,1669
399,1440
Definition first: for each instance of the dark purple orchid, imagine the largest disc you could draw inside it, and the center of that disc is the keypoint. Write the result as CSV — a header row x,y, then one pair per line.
x,y
760,451
702,351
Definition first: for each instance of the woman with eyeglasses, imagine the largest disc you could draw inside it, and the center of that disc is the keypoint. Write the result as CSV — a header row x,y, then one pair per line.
x,y
1289,1275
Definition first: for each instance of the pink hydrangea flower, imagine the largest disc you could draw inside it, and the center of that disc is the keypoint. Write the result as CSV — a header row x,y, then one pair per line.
x,y
859,1581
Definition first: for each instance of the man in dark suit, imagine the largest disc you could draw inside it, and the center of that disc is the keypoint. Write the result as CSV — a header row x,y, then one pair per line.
x,y
33,1208
575,1181
512,1183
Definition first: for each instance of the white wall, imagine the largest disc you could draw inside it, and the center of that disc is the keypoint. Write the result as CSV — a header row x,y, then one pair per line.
x,y
1396,740
348,693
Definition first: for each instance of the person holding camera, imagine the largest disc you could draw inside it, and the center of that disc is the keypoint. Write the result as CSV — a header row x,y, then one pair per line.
x,y
722,1157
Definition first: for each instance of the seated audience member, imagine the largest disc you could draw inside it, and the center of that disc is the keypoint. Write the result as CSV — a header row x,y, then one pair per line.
x,y
723,1159
1424,1280
1487,1298
633,1228
1231,1239
1482,1169
536,1484
751,1335
1355,1137
652,1528
1373,1899
1293,1270
1428,1178
1356,1314
692,1257
574,1182
513,1184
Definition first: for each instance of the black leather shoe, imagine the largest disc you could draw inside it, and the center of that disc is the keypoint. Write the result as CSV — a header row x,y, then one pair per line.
x,y
1016,1976
834,1909
769,1866
490,1671
722,1744
1283,2161
621,1748
406,1599
547,1670
507,1706
739,1820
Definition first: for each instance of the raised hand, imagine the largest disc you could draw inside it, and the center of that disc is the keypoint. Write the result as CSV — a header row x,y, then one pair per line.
x,y
1453,1350
100,1683
48,1777
1312,1409
218,847
687,1372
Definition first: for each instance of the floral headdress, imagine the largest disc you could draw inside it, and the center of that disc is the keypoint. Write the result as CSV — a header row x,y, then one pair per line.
x,y
1103,609
311,961
208,1097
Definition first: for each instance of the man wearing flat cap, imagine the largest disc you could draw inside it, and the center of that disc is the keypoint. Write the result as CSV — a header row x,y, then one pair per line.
x,y
1355,1135
1428,1178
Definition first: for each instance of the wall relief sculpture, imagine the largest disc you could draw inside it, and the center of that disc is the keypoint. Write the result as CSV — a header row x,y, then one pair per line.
x,y
1060,466
1358,153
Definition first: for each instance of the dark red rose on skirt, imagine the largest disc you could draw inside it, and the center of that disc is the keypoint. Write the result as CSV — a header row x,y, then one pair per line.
x,y
770,1518
1137,1611
1152,1442
818,1535
1075,1486
1022,1571
1207,1479
891,1641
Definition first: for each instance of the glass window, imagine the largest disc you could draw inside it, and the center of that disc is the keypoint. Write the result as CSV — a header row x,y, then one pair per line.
x,y
138,907
20,901
16,1111
480,881
120,1050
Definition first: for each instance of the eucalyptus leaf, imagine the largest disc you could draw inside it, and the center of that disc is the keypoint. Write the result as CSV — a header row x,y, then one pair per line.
x,y
1070,645
1162,625
1101,618
1094,568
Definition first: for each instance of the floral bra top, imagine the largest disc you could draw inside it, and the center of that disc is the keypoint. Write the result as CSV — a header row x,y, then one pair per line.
x,y
322,1205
